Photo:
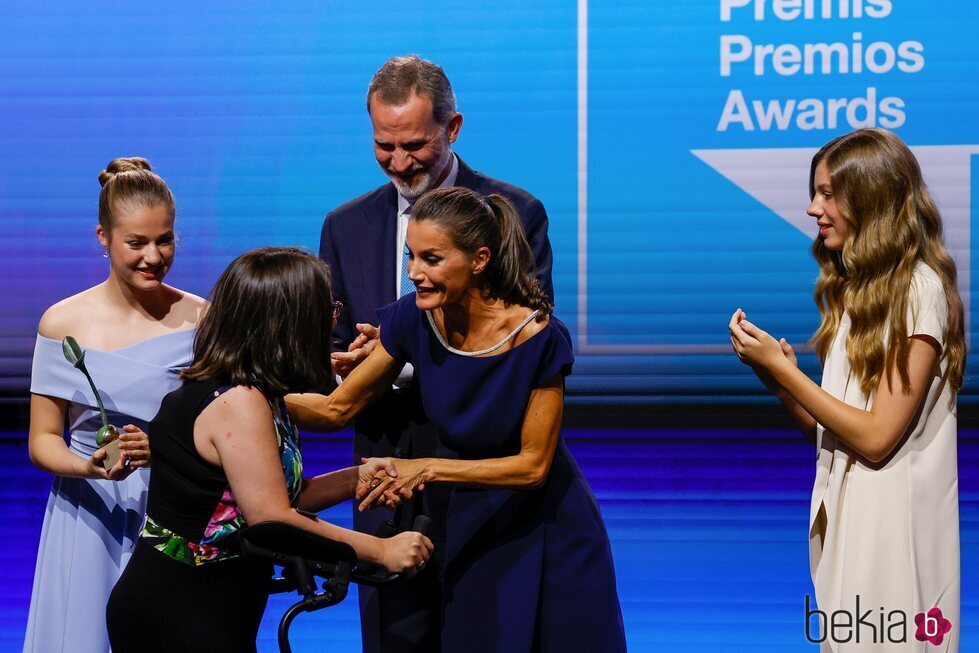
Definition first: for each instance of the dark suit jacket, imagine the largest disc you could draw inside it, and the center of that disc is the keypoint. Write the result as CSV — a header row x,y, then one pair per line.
x,y
358,242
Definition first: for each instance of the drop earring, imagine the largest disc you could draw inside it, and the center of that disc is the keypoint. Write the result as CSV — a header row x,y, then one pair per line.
x,y
105,253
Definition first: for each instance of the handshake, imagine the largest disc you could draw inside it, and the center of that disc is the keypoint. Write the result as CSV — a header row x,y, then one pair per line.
x,y
389,481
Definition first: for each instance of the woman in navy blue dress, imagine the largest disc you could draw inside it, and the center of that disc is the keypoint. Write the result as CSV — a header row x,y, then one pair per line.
x,y
526,564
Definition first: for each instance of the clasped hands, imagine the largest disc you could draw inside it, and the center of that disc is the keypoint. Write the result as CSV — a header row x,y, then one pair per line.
x,y
134,446
388,481
343,362
757,348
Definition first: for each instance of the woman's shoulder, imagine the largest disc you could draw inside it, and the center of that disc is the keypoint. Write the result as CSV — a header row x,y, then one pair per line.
x,y
927,306
400,314
189,298
231,406
925,274
243,398
554,350
189,308
541,329
558,330
530,329
542,334
927,287
62,317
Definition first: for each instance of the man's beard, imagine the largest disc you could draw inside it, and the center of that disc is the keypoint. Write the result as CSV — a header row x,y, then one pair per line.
x,y
422,182
420,185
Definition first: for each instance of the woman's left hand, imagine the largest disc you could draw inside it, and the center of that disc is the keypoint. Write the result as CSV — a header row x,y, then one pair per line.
x,y
383,488
377,473
753,345
135,447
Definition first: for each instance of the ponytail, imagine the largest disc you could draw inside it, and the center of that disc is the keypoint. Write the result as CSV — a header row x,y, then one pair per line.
x,y
512,269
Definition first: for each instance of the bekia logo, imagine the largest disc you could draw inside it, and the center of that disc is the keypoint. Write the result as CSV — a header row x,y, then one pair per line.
x,y
874,625
932,626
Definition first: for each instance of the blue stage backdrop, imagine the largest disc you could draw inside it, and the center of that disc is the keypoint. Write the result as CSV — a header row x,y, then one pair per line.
x,y
669,141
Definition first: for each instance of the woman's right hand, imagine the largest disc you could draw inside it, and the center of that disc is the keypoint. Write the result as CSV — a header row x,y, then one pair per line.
x,y
406,552
788,351
117,472
763,375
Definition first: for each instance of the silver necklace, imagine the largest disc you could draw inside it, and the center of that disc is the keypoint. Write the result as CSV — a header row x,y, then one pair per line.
x,y
481,352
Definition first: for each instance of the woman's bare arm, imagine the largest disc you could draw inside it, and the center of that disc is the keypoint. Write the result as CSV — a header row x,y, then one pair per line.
x,y
363,386
235,431
525,470
873,434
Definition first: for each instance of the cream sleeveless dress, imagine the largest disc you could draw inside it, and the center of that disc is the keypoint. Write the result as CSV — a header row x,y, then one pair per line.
x,y
889,532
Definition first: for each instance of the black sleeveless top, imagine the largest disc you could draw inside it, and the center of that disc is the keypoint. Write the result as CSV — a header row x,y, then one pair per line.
x,y
191,512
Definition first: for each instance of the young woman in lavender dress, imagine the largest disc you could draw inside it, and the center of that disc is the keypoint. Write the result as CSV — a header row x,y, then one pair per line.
x,y
138,334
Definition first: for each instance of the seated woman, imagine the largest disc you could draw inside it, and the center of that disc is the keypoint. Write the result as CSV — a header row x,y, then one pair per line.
x,y
527,564
226,454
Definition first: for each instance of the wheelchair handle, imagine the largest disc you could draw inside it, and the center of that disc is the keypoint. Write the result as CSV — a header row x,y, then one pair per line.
x,y
368,574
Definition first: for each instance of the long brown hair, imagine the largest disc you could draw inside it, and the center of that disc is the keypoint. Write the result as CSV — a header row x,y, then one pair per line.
x,y
892,225
473,221
268,324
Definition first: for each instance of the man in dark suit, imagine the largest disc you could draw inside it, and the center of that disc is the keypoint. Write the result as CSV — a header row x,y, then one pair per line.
x,y
413,113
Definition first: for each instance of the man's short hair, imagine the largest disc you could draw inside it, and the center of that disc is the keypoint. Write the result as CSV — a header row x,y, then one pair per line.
x,y
400,77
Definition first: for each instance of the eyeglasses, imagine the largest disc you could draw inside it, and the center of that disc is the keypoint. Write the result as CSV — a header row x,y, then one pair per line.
x,y
337,309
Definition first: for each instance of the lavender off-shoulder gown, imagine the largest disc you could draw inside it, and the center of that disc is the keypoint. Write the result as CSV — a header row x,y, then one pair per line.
x,y
91,526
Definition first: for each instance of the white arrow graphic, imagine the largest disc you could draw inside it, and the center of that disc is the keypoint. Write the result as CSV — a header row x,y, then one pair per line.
x,y
778,178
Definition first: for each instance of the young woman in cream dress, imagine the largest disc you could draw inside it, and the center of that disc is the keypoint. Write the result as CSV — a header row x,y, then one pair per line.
x,y
884,518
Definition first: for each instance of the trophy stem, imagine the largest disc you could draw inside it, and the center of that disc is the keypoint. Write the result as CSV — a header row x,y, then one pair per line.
x,y
108,433
95,391
76,356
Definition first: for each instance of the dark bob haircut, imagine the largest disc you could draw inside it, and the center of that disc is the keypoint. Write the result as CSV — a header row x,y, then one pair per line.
x,y
268,325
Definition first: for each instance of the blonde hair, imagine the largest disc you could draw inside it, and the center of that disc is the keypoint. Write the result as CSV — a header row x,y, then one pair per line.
x,y
130,182
892,225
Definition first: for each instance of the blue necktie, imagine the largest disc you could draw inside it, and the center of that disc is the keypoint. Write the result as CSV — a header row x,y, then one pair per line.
x,y
407,287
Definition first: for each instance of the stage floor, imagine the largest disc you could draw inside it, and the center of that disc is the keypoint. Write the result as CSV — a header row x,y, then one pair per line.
x,y
708,527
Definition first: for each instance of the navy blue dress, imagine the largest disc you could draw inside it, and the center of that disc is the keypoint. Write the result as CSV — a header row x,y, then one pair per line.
x,y
522,570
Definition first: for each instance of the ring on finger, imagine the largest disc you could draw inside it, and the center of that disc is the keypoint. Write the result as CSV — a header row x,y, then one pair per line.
x,y
375,482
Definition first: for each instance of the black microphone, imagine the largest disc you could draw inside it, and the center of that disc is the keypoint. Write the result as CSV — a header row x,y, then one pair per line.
x,y
386,529
376,575
421,524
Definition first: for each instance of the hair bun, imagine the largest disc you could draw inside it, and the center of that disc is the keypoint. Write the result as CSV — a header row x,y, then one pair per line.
x,y
123,164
